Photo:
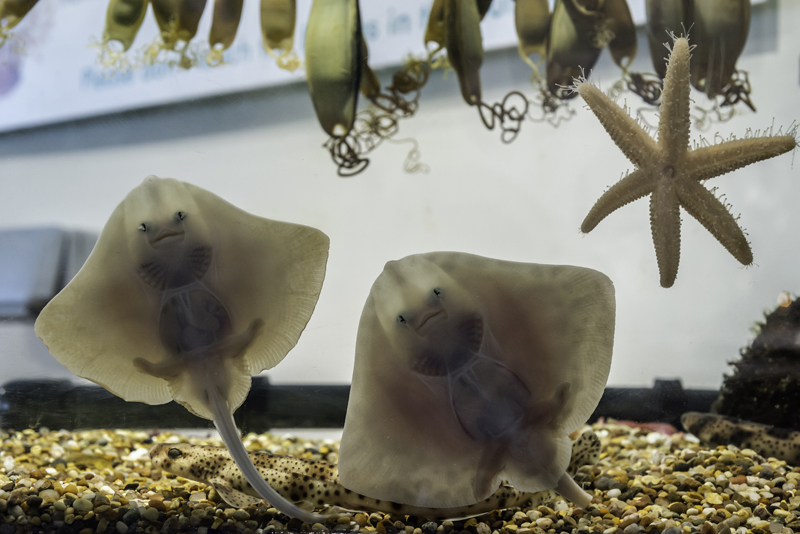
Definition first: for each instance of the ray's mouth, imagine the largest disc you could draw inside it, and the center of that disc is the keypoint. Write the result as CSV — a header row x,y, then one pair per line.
x,y
166,237
428,320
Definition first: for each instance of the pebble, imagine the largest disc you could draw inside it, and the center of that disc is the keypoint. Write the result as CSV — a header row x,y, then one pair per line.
x,y
645,482
82,505
151,514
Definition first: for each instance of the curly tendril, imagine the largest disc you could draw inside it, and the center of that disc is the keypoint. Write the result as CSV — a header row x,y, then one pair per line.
x,y
506,114
553,111
647,86
737,90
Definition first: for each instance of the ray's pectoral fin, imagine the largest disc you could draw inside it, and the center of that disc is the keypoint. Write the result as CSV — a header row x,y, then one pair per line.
x,y
234,497
543,414
235,346
167,369
492,461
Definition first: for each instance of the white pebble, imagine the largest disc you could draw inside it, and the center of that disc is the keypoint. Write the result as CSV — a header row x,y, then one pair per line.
x,y
561,506
136,455
614,493
8,463
775,527
56,451
49,495
106,490
654,437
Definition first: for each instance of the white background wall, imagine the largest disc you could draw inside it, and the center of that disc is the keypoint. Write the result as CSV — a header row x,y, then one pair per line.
x,y
523,202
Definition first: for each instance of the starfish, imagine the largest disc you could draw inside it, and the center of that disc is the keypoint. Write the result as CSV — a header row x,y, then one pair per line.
x,y
671,173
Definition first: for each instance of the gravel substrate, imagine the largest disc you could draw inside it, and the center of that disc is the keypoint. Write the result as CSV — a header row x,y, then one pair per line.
x,y
102,481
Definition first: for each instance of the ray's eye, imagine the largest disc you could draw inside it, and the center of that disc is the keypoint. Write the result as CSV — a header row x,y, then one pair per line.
x,y
181,215
401,319
438,292
143,227
174,453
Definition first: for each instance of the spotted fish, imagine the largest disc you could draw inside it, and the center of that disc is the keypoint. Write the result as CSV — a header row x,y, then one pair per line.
x,y
312,484
766,440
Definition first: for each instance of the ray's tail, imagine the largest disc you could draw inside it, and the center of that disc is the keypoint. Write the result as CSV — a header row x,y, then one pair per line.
x,y
223,420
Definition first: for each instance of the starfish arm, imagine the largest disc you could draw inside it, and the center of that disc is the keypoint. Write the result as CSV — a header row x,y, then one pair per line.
x,y
632,187
632,140
665,224
708,162
674,120
701,204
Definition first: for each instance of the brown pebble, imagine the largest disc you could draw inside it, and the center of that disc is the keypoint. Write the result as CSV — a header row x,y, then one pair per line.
x,y
761,512
740,479
707,528
157,504
677,507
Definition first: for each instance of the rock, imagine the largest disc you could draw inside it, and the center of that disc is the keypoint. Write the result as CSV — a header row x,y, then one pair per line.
x,y
151,514
761,512
82,505
130,516
603,483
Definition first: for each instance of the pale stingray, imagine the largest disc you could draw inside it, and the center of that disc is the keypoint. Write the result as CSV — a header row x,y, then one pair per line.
x,y
471,371
185,297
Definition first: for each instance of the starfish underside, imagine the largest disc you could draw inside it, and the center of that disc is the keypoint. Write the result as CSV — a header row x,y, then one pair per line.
x,y
671,173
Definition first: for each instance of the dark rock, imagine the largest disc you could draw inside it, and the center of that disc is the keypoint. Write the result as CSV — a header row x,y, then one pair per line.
x,y
603,483
761,512
294,525
429,528
131,516
131,486
681,467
